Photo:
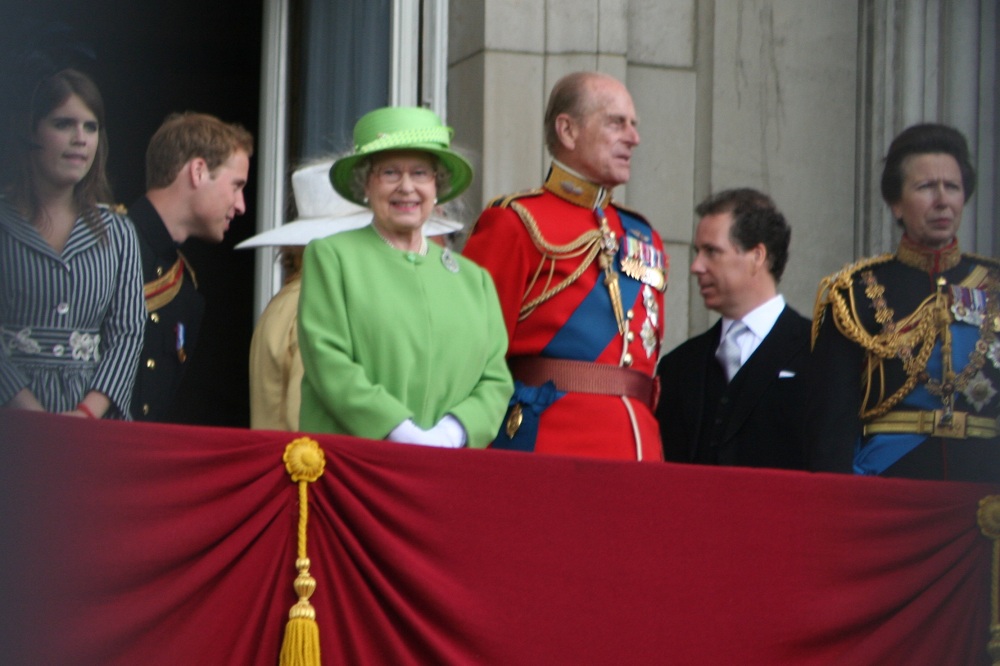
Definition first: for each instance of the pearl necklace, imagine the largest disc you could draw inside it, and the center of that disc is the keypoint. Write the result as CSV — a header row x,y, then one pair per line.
x,y
423,243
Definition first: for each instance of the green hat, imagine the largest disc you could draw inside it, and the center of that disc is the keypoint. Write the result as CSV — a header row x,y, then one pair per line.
x,y
402,128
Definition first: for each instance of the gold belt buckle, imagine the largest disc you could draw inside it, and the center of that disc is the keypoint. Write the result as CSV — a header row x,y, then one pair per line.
x,y
953,427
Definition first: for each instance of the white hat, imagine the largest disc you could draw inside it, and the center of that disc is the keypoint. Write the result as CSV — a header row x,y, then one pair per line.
x,y
323,212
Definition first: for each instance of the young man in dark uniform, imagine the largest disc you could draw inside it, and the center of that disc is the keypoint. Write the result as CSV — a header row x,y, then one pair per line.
x,y
196,169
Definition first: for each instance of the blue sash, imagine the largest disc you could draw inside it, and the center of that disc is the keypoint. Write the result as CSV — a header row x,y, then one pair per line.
x,y
882,451
584,335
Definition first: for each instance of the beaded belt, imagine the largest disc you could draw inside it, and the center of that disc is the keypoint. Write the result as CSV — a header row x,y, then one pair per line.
x,y
41,342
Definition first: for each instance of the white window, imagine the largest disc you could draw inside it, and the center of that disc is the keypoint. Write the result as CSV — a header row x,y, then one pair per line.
x,y
325,63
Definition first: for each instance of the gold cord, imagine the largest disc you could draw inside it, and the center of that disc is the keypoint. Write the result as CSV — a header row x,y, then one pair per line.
x,y
910,339
304,461
587,245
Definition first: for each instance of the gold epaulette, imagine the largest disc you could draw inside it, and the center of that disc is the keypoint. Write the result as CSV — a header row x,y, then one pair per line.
x,y
842,280
505,200
116,208
631,211
983,259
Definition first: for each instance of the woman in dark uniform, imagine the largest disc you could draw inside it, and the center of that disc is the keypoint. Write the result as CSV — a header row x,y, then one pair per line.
x,y
906,360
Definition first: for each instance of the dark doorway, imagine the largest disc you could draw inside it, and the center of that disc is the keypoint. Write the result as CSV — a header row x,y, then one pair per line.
x,y
151,59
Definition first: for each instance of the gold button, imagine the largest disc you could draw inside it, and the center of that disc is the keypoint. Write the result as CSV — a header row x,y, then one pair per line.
x,y
145,410
630,336
159,271
155,317
630,314
151,364
627,360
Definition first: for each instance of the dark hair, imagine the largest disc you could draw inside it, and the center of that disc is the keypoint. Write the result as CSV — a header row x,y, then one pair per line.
x,y
570,95
923,139
185,136
756,220
48,95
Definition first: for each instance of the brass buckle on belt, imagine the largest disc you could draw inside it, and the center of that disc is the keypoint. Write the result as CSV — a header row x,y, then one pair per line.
x,y
953,427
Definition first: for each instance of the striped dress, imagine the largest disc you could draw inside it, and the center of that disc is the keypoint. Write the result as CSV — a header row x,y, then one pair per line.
x,y
70,322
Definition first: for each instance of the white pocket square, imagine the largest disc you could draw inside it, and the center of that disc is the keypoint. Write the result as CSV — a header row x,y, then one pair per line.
x,y
785,374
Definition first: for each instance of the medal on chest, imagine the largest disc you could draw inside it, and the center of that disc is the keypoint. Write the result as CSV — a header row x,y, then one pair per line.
x,y
642,261
968,305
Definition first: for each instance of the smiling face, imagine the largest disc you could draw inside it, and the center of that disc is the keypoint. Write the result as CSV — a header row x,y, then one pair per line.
x,y
218,197
932,198
401,191
599,144
66,142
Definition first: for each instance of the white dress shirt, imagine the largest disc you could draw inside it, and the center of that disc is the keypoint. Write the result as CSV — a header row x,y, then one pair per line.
x,y
759,321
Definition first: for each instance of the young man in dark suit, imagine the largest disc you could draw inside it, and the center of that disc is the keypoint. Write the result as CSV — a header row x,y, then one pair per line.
x,y
733,395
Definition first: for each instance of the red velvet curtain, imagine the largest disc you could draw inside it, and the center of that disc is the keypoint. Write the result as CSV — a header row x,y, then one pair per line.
x,y
159,544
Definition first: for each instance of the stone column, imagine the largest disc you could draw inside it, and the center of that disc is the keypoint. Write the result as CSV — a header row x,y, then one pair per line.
x,y
927,61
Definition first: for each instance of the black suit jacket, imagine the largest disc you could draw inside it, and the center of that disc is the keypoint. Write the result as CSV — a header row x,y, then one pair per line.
x,y
756,420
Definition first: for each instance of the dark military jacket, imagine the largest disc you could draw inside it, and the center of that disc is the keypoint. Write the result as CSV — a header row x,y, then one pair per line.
x,y
174,310
897,335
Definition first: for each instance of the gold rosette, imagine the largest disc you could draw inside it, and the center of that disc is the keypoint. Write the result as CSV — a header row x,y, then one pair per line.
x,y
304,460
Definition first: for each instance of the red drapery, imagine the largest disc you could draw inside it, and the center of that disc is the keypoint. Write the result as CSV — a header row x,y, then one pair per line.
x,y
159,544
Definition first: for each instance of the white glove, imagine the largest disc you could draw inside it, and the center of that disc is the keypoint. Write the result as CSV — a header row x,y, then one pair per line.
x,y
448,433
408,432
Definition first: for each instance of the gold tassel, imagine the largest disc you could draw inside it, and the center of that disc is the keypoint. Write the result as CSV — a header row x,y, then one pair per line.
x,y
305,462
609,248
988,517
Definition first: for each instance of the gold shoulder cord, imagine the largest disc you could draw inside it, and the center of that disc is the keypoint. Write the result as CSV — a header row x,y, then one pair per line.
x,y
839,295
831,293
910,339
587,245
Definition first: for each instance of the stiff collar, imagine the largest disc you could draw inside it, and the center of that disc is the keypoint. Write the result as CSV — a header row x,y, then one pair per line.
x,y
928,259
574,188
761,319
153,230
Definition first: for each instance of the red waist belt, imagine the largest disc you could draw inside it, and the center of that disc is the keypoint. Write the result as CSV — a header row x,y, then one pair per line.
x,y
584,377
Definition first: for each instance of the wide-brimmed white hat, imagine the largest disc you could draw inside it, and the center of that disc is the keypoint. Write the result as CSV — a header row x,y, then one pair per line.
x,y
323,212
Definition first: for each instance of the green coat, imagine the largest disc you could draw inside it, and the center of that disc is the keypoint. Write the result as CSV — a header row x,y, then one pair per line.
x,y
387,335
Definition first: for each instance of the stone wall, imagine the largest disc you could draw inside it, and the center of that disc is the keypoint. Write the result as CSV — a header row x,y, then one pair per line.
x,y
760,93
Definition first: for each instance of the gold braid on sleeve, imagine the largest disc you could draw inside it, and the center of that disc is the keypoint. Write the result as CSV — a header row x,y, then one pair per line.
x,y
910,339
587,246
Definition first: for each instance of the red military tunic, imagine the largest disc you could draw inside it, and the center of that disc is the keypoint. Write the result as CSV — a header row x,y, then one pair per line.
x,y
550,261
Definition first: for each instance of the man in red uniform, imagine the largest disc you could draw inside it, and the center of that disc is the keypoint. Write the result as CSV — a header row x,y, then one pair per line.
x,y
581,282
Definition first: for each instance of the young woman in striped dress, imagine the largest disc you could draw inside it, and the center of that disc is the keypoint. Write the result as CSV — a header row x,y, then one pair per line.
x,y
71,304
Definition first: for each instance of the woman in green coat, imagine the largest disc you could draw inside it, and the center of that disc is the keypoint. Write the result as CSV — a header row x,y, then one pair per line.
x,y
401,339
